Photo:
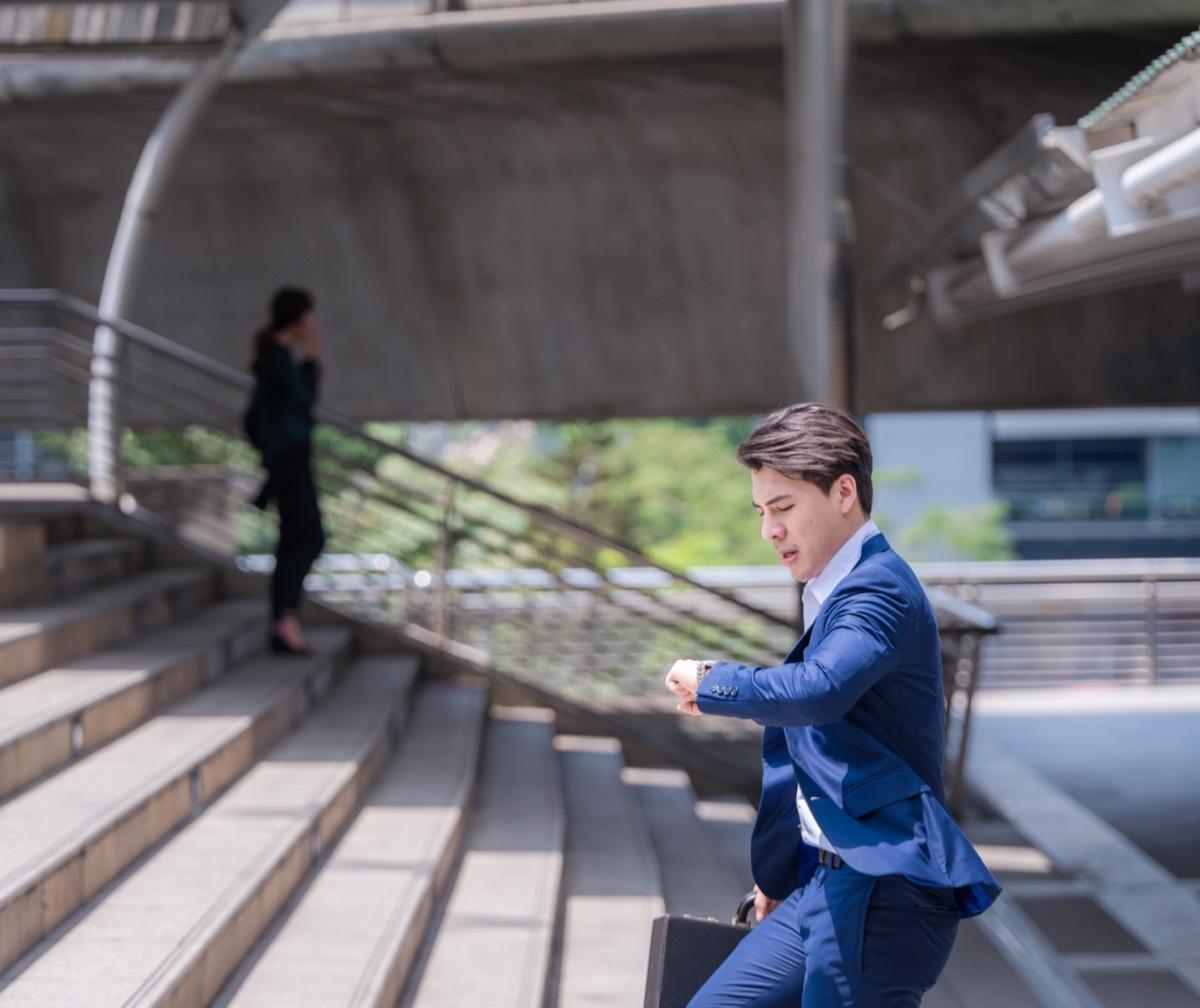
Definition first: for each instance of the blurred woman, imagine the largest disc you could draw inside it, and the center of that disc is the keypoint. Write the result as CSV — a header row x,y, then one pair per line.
x,y
280,423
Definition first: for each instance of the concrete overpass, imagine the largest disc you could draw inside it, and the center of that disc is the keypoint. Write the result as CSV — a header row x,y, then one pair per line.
x,y
579,210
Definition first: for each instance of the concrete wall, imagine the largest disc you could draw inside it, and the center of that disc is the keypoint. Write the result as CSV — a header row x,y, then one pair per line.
x,y
585,241
19,256
926,460
589,238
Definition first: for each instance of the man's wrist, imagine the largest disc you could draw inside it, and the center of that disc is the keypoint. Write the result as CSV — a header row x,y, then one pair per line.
x,y
702,669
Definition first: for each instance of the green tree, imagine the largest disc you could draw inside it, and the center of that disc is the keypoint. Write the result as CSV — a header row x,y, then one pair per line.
x,y
969,533
668,488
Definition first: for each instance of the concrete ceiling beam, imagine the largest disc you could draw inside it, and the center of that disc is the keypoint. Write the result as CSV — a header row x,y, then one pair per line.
x,y
593,29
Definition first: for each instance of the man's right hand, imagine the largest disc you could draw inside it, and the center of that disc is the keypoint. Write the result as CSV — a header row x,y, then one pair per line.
x,y
763,904
682,681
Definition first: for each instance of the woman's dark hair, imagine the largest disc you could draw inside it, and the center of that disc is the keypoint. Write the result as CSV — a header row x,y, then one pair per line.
x,y
814,443
287,307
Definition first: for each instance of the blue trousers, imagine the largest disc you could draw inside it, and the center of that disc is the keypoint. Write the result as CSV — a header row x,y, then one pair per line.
x,y
845,939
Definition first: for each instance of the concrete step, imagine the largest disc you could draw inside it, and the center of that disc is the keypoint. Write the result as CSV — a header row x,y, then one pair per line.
x,y
730,822
979,976
61,509
492,943
33,638
705,883
611,886
68,837
23,572
63,713
354,935
76,566
1116,883
173,931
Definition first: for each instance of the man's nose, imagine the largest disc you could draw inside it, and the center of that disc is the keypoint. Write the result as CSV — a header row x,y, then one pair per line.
x,y
771,529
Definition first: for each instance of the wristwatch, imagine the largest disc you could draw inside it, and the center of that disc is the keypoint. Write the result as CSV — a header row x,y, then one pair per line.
x,y
701,671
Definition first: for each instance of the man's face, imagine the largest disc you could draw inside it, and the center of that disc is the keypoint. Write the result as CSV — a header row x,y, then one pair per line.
x,y
806,526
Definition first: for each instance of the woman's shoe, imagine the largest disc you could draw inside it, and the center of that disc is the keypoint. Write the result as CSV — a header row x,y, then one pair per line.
x,y
287,637
280,646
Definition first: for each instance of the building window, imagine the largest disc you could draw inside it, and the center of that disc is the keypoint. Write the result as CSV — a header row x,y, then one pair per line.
x,y
1072,479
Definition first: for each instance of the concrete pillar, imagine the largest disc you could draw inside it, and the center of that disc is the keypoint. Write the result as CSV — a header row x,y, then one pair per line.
x,y
815,58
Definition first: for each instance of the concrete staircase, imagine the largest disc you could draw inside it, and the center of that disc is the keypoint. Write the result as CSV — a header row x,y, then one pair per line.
x,y
187,820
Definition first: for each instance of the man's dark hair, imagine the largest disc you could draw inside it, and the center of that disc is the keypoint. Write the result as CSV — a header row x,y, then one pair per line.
x,y
812,442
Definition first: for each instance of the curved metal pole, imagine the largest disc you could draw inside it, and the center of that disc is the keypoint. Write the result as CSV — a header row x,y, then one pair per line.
x,y
154,170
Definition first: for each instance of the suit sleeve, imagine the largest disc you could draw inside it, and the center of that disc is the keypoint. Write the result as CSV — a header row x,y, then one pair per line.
x,y
864,635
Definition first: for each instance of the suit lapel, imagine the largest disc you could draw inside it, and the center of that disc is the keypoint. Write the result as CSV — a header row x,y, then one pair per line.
x,y
876,544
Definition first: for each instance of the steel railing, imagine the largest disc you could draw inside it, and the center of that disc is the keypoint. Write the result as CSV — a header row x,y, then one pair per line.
x,y
588,635
1125,621
566,608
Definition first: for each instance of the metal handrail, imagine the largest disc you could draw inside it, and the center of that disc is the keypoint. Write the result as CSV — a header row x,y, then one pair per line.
x,y
173,386
1086,593
543,517
1059,571
438,510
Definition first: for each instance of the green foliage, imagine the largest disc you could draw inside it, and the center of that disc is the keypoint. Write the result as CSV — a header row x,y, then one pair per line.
x,y
350,450
901,476
187,446
971,533
72,446
667,488
158,446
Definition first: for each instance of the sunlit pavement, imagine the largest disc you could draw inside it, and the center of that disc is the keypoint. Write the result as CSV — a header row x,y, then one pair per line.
x,y
1087,807
1130,755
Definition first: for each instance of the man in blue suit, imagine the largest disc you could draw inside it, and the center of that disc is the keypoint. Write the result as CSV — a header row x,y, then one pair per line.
x,y
861,875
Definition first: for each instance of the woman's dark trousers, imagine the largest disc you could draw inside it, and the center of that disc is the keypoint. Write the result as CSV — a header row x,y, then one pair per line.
x,y
300,534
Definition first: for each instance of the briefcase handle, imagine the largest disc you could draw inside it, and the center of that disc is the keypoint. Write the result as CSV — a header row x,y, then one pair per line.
x,y
744,909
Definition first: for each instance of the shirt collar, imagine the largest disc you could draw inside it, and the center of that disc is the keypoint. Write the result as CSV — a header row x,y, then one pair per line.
x,y
844,561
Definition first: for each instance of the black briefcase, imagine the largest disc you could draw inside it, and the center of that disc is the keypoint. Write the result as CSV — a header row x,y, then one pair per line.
x,y
684,952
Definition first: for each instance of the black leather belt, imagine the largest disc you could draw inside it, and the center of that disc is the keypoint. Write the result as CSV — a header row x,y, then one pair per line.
x,y
833,860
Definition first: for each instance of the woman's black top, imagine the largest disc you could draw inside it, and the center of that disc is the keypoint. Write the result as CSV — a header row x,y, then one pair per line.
x,y
280,419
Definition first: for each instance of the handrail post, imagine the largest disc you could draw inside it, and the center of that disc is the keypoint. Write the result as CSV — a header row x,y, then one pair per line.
x,y
1150,590
445,552
106,415
963,683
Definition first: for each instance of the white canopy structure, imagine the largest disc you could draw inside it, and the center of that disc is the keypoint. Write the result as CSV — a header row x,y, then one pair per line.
x,y
1062,211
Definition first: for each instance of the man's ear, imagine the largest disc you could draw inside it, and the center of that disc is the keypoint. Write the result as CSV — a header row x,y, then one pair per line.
x,y
846,489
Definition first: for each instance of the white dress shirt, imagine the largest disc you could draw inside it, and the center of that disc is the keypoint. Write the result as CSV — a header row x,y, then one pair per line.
x,y
814,595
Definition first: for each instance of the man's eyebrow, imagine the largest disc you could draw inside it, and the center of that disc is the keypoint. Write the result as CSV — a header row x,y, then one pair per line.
x,y
774,500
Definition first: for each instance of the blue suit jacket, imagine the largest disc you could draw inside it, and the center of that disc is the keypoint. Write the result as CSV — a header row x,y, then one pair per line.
x,y
855,717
